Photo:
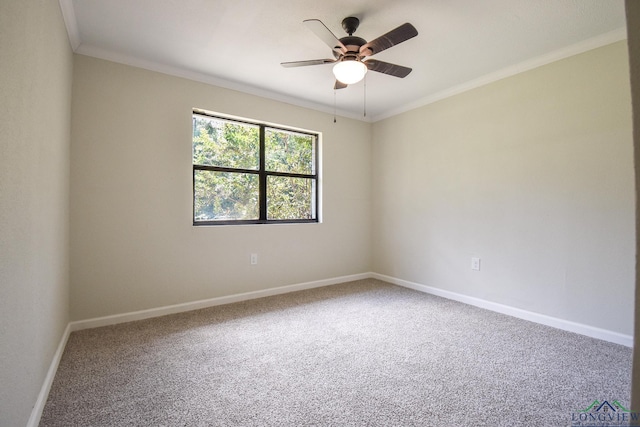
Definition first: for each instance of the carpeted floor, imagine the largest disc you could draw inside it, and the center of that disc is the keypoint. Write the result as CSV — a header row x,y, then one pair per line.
x,y
355,354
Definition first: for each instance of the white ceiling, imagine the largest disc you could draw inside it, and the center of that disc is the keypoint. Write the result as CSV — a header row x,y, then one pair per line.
x,y
239,44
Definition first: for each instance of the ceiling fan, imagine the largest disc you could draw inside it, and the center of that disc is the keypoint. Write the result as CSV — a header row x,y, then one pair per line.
x,y
351,53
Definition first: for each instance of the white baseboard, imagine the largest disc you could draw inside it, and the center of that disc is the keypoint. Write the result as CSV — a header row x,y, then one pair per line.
x,y
196,305
566,325
36,412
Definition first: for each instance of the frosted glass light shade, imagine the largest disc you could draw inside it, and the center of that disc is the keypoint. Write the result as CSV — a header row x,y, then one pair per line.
x,y
349,72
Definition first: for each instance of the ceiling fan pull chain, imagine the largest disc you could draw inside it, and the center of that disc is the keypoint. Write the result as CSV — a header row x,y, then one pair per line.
x,y
365,95
334,105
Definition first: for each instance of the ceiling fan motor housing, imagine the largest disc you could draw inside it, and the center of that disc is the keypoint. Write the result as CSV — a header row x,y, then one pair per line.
x,y
353,43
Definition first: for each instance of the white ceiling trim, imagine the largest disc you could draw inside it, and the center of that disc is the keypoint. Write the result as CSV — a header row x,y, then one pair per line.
x,y
208,79
70,21
584,46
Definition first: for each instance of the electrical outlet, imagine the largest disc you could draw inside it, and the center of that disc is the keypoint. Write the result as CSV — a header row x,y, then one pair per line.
x,y
254,259
475,264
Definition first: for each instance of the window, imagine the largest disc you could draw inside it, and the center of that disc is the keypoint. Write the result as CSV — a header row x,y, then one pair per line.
x,y
252,173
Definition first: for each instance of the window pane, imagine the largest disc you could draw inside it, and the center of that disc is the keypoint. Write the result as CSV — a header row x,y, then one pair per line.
x,y
224,196
223,143
290,198
289,152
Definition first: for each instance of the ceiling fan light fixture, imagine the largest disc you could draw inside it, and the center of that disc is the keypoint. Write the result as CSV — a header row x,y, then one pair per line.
x,y
349,71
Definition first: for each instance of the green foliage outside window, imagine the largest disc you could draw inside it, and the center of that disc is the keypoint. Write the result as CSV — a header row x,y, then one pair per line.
x,y
227,173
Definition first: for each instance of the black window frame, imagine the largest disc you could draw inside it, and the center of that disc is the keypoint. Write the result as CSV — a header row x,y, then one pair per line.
x,y
262,174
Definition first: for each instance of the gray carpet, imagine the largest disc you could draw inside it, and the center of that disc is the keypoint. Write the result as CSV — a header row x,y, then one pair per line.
x,y
355,354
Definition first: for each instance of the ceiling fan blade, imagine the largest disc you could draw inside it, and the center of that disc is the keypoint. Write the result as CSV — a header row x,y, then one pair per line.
x,y
387,68
321,30
339,85
309,62
396,36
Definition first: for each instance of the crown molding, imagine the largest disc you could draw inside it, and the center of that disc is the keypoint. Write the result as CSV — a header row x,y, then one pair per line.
x,y
208,79
71,24
70,21
566,52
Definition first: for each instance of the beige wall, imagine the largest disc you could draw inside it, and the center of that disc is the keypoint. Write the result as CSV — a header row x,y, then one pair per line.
x,y
534,175
133,246
35,94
